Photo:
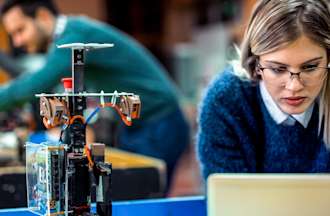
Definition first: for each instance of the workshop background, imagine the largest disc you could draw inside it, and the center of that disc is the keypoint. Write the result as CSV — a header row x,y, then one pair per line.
x,y
194,39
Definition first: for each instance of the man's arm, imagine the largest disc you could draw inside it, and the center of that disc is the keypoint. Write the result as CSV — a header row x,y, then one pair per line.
x,y
8,64
24,88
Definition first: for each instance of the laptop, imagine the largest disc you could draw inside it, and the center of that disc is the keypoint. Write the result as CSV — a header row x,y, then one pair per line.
x,y
268,195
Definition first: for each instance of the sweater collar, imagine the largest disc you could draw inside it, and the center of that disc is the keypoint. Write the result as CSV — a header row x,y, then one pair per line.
x,y
278,115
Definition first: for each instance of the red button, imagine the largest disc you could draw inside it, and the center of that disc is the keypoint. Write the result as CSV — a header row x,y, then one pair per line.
x,y
67,82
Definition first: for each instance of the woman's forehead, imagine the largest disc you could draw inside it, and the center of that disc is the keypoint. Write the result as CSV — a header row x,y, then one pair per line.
x,y
301,50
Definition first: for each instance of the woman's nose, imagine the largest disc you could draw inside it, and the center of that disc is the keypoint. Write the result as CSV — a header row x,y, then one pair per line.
x,y
294,83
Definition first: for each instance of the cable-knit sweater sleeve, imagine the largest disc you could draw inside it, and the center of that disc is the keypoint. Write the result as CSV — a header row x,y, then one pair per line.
x,y
222,144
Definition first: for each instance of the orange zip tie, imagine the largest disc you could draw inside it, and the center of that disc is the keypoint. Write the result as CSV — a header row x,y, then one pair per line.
x,y
123,117
89,157
77,117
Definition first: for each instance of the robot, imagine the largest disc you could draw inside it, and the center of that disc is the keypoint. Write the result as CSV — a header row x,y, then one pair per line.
x,y
72,169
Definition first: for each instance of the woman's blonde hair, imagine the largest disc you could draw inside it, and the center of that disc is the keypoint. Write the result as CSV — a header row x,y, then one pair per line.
x,y
276,23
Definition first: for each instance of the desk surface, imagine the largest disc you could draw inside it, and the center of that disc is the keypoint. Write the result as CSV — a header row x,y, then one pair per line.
x,y
192,206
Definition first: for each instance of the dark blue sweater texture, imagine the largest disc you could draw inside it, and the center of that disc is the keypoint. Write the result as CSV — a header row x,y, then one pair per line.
x,y
237,134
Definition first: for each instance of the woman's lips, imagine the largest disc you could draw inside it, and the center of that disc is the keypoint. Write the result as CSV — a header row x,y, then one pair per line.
x,y
294,101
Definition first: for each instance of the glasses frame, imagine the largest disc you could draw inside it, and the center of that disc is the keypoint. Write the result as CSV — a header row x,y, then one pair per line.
x,y
259,67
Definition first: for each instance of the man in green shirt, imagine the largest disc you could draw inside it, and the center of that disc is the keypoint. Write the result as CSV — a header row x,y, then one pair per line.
x,y
36,26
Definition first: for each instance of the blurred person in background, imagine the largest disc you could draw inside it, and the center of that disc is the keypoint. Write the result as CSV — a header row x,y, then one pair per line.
x,y
37,27
271,113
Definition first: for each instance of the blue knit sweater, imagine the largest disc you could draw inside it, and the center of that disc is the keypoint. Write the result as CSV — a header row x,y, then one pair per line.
x,y
237,134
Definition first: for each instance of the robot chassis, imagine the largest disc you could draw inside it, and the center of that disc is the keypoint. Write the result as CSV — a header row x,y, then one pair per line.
x,y
75,169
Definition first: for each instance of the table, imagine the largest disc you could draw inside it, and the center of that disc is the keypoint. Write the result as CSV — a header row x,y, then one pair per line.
x,y
192,206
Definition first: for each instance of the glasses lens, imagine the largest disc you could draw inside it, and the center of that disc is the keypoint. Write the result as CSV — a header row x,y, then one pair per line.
x,y
313,77
307,77
275,75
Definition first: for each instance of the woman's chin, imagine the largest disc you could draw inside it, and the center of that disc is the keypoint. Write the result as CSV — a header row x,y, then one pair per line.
x,y
293,110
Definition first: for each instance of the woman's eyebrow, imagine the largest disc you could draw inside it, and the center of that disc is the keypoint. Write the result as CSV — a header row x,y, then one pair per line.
x,y
286,65
276,62
312,60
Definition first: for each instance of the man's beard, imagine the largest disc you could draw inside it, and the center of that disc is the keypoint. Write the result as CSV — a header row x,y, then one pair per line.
x,y
42,46
42,42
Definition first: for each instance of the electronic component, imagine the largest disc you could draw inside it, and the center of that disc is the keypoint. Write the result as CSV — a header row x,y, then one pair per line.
x,y
61,176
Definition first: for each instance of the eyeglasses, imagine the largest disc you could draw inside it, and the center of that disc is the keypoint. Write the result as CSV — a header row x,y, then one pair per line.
x,y
309,75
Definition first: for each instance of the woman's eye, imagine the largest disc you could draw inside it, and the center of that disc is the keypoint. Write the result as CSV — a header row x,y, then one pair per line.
x,y
309,68
279,70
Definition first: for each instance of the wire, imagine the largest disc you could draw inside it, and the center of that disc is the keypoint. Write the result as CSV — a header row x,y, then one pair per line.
x,y
97,109
122,116
89,157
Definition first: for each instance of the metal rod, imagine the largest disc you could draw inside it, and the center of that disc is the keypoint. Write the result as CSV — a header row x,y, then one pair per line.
x,y
84,94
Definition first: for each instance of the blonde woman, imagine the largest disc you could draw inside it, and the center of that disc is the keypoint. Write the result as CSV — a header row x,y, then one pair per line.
x,y
272,116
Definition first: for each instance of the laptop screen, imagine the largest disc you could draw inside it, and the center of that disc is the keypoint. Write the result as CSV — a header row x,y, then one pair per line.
x,y
268,195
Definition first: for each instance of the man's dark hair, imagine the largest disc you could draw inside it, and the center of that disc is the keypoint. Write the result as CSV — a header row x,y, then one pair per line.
x,y
29,7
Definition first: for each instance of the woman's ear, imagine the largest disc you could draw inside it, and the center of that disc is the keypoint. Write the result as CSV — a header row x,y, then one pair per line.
x,y
257,75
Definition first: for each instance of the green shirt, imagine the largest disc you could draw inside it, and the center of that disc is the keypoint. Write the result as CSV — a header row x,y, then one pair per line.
x,y
127,67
